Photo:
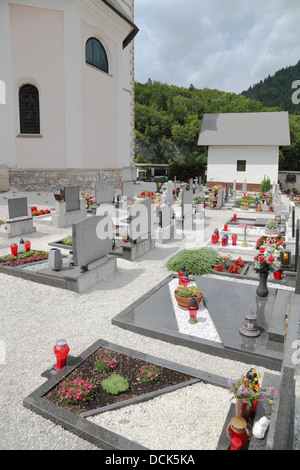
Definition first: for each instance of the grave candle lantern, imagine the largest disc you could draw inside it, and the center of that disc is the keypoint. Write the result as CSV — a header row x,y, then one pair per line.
x,y
216,232
250,327
14,249
225,227
234,218
214,238
238,429
185,280
22,248
193,308
181,274
224,241
234,239
61,351
27,245
285,258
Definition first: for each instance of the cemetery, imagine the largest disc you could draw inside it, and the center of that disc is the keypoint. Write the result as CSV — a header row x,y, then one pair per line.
x,y
104,275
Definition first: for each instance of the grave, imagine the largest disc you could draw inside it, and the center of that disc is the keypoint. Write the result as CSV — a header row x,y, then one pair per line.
x,y
19,222
153,315
92,261
140,230
70,209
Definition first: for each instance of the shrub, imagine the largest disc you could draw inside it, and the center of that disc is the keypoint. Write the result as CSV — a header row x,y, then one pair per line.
x,y
115,384
196,262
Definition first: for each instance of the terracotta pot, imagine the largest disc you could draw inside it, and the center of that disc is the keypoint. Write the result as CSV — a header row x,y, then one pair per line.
x,y
183,302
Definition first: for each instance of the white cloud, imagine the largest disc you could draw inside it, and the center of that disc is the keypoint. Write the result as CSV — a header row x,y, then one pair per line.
x,y
215,44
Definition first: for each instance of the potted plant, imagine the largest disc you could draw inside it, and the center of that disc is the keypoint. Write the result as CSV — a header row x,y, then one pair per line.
x,y
271,227
183,295
244,205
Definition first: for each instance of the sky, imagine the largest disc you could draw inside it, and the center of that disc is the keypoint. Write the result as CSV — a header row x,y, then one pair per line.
x,y
227,45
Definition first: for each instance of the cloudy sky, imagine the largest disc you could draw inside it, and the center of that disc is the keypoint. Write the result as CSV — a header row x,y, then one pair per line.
x,y
224,44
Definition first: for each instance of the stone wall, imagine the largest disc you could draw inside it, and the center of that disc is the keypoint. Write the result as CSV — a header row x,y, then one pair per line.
x,y
51,180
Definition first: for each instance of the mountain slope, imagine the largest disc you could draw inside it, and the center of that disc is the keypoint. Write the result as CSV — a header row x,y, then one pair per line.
x,y
276,90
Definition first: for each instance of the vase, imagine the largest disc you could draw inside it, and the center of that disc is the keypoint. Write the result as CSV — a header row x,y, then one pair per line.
x,y
243,410
183,302
262,288
55,259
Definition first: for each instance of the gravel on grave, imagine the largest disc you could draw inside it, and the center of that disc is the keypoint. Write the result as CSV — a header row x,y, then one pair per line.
x,y
33,316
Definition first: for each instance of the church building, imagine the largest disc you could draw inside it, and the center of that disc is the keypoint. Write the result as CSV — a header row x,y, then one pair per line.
x,y
68,70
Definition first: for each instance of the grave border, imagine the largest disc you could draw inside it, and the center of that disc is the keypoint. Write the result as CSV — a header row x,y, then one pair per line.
x,y
79,425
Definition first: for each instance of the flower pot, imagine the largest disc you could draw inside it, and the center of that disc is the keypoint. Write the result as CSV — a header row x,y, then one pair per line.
x,y
183,302
244,208
262,288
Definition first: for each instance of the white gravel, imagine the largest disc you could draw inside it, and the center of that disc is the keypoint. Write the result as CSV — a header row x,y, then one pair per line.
x,y
33,316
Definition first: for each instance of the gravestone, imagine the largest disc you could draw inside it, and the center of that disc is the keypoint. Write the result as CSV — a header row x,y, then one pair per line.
x,y
17,207
71,209
104,192
220,199
128,189
18,223
141,219
187,209
244,186
90,242
72,198
166,228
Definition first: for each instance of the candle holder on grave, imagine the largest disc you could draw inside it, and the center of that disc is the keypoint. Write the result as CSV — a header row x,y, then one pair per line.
x,y
249,327
285,258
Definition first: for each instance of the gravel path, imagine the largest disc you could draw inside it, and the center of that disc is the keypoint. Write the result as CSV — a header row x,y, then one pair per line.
x,y
33,316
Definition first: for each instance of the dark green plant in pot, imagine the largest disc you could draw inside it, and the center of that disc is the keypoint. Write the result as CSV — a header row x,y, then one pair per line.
x,y
196,262
115,384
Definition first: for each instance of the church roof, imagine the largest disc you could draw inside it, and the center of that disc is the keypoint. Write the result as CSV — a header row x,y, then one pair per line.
x,y
116,7
267,128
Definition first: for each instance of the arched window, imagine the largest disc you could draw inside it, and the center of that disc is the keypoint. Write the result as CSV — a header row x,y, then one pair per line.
x,y
95,54
29,108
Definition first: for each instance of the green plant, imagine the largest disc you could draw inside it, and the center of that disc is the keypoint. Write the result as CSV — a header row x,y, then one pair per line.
x,y
188,291
265,185
150,373
67,240
105,364
76,391
197,262
115,384
272,225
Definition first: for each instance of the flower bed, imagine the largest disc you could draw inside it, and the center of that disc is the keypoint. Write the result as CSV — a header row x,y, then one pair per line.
x,y
227,264
35,211
23,258
82,390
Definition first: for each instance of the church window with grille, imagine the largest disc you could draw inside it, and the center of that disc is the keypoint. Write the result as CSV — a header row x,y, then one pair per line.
x,y
29,107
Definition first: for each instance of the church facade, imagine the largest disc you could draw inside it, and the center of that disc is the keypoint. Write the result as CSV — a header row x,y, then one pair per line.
x,y
68,69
